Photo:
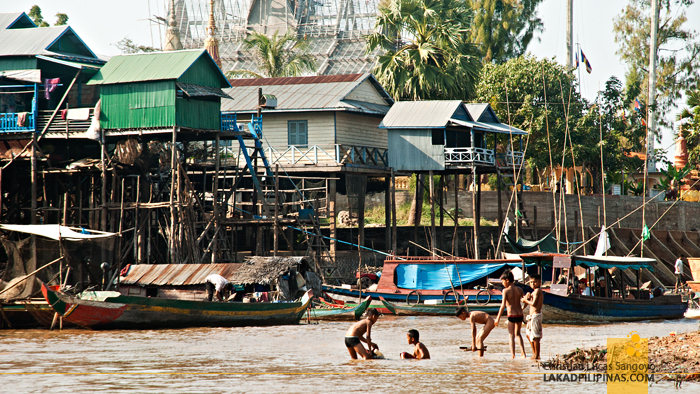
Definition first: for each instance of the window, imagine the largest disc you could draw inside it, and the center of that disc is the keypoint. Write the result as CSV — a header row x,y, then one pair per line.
x,y
297,133
438,137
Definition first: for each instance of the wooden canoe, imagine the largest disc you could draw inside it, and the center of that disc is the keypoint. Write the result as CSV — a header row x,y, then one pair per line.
x,y
444,309
340,312
109,309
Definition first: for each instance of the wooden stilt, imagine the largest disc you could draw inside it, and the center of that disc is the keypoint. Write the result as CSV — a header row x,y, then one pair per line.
x,y
475,216
387,211
455,237
276,229
394,240
332,214
431,185
173,190
441,198
215,196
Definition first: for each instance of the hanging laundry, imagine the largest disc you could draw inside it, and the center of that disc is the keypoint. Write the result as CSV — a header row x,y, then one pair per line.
x,y
21,119
49,86
64,112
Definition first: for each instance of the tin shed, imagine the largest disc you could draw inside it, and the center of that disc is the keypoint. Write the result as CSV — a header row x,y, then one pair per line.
x,y
161,91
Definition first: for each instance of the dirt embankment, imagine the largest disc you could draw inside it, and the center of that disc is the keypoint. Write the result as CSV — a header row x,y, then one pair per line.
x,y
677,355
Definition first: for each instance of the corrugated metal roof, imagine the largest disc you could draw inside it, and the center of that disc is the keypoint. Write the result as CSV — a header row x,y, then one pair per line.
x,y
32,41
176,274
9,18
303,93
420,114
482,112
296,80
201,91
154,66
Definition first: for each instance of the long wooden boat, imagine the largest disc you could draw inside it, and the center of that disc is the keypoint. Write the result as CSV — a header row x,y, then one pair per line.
x,y
394,287
444,309
340,312
109,309
560,306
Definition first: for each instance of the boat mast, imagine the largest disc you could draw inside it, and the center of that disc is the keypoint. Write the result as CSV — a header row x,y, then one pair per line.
x,y
650,105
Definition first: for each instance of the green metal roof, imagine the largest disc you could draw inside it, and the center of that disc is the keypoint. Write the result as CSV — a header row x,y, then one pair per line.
x,y
152,67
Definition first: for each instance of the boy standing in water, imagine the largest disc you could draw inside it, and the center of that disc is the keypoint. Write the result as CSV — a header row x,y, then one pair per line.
x,y
420,352
356,335
534,320
480,318
511,300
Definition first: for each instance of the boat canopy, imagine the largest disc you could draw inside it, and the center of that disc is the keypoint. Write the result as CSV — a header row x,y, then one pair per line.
x,y
606,262
445,276
546,244
57,232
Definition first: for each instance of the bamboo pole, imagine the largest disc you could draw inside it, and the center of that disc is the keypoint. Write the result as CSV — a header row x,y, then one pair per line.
x,y
173,176
394,230
431,184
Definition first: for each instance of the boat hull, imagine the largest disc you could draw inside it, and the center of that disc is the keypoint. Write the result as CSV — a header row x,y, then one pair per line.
x,y
576,309
129,312
435,310
340,313
401,296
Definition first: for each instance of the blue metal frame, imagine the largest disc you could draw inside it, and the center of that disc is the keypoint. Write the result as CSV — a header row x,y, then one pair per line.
x,y
8,121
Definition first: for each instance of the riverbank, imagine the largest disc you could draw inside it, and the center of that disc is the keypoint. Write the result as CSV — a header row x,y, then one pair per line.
x,y
675,356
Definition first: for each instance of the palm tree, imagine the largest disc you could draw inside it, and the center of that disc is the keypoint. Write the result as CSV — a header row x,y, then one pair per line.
x,y
428,53
277,56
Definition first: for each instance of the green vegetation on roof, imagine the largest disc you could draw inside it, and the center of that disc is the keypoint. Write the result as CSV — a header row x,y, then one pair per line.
x,y
152,67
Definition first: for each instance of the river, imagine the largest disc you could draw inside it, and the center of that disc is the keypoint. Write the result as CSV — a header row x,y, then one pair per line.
x,y
296,359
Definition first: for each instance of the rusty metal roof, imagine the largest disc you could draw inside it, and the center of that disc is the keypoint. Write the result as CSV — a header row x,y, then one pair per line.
x,y
176,274
294,94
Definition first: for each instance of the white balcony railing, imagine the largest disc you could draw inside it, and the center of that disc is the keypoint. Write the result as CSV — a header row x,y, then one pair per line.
x,y
459,156
315,154
510,159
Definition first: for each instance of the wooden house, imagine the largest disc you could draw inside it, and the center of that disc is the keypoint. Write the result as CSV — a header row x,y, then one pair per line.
x,y
151,93
38,66
449,135
321,123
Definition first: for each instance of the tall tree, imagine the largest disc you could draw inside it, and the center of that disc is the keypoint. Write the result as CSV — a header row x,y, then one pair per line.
x,y
278,56
35,14
503,29
691,126
427,50
538,96
127,45
61,19
678,49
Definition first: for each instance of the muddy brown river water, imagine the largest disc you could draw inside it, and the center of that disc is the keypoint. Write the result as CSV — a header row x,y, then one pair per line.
x,y
296,359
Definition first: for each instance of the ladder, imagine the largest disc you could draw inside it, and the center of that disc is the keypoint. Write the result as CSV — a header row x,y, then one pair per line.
x,y
264,188
317,248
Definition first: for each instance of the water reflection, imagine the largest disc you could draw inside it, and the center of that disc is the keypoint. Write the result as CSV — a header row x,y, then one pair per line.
x,y
305,358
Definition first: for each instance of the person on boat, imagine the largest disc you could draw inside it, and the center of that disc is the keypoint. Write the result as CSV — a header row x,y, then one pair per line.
x,y
420,352
511,297
679,273
356,335
583,287
477,317
533,330
217,286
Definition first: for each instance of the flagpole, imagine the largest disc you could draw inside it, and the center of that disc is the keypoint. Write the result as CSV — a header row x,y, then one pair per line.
x,y
578,51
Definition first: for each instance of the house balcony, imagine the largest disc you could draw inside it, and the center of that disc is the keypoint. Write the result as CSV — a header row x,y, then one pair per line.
x,y
469,156
337,154
10,122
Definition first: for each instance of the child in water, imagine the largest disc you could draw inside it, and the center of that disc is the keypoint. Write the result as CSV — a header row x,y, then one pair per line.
x,y
356,335
420,352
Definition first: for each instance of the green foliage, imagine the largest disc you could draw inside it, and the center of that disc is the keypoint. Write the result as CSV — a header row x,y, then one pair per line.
x,y
691,127
676,69
428,55
503,29
636,189
127,46
516,91
61,19
277,56
673,178
35,14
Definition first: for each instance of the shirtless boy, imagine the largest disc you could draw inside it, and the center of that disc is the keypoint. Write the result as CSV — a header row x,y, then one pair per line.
x,y
420,352
475,318
356,335
511,299
533,331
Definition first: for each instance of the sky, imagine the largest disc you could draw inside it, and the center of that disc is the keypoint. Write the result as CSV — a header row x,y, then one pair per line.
x,y
101,24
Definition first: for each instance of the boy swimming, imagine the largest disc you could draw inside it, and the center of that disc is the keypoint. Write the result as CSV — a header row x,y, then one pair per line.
x,y
511,300
356,335
420,352
480,318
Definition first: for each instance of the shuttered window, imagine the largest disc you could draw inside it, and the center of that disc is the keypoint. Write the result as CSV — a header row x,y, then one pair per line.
x,y
297,133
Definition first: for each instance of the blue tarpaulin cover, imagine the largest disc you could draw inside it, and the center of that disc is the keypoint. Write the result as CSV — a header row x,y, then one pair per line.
x,y
437,277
